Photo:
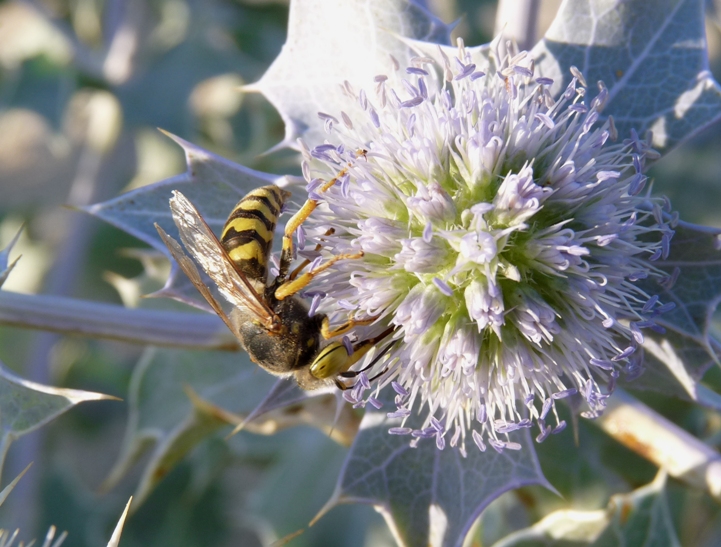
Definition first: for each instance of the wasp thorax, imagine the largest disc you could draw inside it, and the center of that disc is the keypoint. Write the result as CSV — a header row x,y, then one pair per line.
x,y
294,347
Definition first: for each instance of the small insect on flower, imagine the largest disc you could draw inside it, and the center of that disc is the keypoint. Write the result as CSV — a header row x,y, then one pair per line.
x,y
271,321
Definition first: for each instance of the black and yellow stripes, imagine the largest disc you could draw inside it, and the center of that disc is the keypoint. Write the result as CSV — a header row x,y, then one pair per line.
x,y
248,233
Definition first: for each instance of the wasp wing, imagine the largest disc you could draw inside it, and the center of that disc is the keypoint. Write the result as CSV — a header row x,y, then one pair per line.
x,y
209,254
188,266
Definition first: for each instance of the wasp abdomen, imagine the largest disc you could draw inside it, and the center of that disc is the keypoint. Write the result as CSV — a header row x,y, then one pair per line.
x,y
295,348
248,233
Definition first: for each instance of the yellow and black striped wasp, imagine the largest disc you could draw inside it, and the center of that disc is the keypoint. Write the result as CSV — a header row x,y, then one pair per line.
x,y
270,320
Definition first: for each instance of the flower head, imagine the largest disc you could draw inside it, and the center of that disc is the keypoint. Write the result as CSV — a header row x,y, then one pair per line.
x,y
502,233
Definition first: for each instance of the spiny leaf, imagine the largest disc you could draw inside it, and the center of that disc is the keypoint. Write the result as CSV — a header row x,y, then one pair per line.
x,y
25,406
565,527
212,183
332,42
651,55
115,538
696,252
305,466
429,496
9,488
51,541
6,266
673,365
641,517
162,415
179,398
152,278
679,358
288,405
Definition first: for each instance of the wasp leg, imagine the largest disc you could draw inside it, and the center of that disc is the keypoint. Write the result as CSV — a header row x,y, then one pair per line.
x,y
353,373
326,332
359,350
340,385
286,255
334,359
289,288
305,263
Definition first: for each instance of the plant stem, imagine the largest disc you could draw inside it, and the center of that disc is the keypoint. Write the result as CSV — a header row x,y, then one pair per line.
x,y
108,321
663,443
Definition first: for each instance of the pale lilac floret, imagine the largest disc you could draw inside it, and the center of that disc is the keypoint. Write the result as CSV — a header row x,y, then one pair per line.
x,y
502,234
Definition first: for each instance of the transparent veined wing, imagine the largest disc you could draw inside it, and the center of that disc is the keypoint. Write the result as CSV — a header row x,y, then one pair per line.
x,y
209,254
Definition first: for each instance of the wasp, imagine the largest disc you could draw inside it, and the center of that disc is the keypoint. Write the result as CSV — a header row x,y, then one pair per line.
x,y
270,320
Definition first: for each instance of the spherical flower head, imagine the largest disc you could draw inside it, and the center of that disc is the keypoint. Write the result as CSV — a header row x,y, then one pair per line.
x,y
502,232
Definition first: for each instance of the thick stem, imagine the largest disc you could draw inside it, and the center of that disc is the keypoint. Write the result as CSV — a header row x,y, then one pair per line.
x,y
138,326
663,443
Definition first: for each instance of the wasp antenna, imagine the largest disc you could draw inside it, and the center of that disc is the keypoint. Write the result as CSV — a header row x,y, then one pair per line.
x,y
381,373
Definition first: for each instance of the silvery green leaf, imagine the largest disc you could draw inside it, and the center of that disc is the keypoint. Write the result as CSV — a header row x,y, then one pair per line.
x,y
213,184
164,419
152,278
7,538
284,393
568,527
676,360
51,541
651,55
5,265
695,251
115,538
674,363
287,404
429,496
25,406
295,486
332,42
9,488
708,398
641,517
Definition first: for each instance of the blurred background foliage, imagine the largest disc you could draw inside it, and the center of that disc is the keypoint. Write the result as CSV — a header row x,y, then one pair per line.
x,y
83,86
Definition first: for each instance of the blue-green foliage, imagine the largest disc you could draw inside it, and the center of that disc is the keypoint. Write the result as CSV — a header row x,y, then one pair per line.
x,y
652,58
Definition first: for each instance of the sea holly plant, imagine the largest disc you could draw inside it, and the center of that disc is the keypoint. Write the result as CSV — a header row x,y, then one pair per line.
x,y
628,517
504,233
24,405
